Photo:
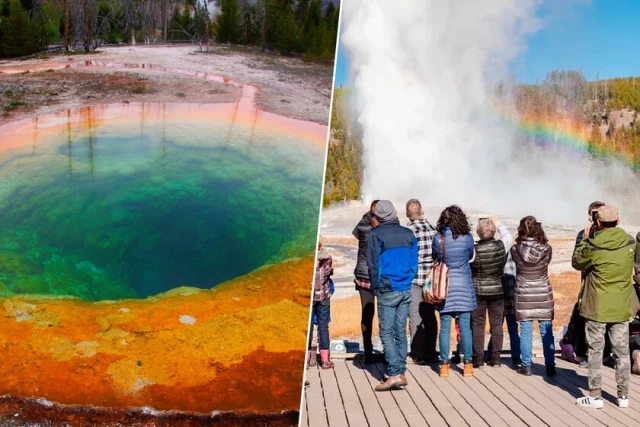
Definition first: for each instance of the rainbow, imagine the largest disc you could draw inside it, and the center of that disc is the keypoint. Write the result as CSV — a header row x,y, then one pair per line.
x,y
549,133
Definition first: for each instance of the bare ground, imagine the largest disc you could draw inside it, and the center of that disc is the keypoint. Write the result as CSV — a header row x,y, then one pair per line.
x,y
287,86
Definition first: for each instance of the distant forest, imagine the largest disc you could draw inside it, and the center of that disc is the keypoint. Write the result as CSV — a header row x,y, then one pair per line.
x,y
292,27
606,111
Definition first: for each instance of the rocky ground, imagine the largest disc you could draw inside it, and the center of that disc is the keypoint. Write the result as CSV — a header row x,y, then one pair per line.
x,y
287,86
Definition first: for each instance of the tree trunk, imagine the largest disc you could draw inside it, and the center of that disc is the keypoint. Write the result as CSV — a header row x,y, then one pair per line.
x,y
67,44
164,20
264,24
87,42
206,30
133,35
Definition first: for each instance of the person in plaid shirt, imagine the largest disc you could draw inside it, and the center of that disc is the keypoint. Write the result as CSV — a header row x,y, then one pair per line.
x,y
423,323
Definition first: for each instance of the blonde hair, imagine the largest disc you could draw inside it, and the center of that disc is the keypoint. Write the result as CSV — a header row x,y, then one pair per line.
x,y
320,242
486,229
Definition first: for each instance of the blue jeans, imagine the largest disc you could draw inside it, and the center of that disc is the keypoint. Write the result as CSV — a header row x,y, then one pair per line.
x,y
393,311
514,338
464,320
526,342
321,309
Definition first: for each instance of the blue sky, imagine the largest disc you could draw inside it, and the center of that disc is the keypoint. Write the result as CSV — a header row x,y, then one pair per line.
x,y
598,37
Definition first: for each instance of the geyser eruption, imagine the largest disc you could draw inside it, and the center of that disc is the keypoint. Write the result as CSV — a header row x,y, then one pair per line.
x,y
424,74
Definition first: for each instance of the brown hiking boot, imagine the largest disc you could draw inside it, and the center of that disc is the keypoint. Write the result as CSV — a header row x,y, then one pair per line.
x,y
391,383
404,379
468,370
636,362
444,369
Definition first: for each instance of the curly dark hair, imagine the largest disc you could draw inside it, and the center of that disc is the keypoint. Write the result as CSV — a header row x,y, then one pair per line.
x,y
530,227
456,219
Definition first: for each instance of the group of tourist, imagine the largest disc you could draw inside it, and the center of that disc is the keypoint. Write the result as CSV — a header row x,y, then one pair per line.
x,y
498,278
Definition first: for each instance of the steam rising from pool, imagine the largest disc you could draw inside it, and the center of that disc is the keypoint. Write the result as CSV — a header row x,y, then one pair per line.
x,y
423,74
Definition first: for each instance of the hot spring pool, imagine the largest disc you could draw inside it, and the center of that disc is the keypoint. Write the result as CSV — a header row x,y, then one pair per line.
x,y
131,200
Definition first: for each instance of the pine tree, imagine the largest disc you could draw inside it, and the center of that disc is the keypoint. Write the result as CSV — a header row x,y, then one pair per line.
x,y
20,36
202,23
313,30
274,8
287,31
186,23
251,22
301,10
174,24
332,16
228,26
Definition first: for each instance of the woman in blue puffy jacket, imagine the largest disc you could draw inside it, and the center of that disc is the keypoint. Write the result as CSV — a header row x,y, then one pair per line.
x,y
454,245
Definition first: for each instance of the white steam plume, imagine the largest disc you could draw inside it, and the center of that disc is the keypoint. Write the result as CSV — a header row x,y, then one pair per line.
x,y
424,71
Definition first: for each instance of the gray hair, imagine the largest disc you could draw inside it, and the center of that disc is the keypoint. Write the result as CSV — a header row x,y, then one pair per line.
x,y
414,209
486,229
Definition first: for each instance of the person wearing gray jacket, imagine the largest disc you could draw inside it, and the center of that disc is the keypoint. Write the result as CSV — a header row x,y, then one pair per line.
x,y
534,296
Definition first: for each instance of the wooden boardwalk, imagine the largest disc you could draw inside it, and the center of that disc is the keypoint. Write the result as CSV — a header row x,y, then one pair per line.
x,y
344,397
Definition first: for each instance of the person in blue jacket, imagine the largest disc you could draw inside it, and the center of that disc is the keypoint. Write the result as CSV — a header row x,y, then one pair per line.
x,y
454,245
392,258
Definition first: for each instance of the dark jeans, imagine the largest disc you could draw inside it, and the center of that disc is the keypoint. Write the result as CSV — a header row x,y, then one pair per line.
x,y
393,311
495,306
368,302
322,310
514,337
423,325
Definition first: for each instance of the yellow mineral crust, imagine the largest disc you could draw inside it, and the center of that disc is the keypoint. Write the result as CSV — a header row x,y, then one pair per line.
x,y
237,347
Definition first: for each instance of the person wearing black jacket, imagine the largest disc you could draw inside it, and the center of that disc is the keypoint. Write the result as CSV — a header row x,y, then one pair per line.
x,y
363,285
488,273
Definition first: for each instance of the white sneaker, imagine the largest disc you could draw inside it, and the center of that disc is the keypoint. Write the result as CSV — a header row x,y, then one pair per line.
x,y
623,401
591,402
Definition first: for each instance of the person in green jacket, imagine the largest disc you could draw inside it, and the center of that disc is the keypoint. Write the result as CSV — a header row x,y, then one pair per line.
x,y
608,260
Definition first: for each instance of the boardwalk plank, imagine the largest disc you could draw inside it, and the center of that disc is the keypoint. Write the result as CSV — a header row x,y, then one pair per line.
x,y
550,394
578,377
332,398
569,391
411,413
465,410
372,410
304,420
542,412
494,403
344,397
532,389
352,404
389,407
477,402
423,403
444,407
315,399
526,414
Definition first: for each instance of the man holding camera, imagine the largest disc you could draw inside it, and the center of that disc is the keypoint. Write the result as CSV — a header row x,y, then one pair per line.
x,y
576,331
607,258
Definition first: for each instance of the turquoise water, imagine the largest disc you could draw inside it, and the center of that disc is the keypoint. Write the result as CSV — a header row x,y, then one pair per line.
x,y
137,207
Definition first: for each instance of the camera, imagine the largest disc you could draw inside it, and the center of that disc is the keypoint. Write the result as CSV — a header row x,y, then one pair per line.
x,y
594,221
